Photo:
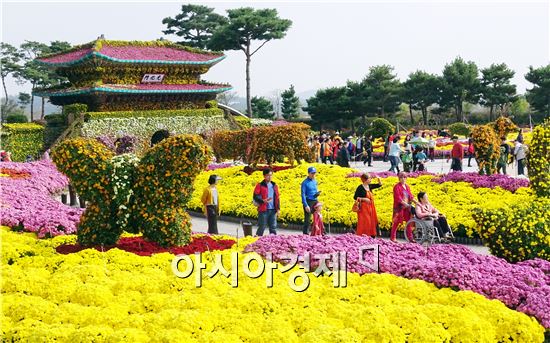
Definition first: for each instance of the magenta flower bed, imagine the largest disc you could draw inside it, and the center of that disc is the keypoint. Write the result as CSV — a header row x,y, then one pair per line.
x,y
386,174
524,286
28,202
153,53
215,166
484,181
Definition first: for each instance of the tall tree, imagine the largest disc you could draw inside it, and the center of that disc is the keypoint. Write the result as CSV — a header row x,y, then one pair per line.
x,y
195,24
356,101
420,91
383,89
496,89
327,105
24,99
244,26
539,95
460,85
38,75
9,64
290,103
262,108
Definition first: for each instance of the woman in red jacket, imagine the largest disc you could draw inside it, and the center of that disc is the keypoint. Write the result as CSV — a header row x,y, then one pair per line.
x,y
402,200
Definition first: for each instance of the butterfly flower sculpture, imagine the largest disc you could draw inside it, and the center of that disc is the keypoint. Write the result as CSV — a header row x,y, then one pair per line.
x,y
125,193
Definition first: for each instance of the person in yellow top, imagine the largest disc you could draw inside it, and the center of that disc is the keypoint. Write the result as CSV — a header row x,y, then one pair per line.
x,y
211,204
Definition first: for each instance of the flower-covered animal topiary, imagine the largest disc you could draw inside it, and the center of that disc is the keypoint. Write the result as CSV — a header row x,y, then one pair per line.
x,y
128,194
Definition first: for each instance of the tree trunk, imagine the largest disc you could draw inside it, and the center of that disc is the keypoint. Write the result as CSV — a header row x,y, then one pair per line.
x,y
248,98
5,90
42,113
491,113
352,124
425,115
32,106
411,113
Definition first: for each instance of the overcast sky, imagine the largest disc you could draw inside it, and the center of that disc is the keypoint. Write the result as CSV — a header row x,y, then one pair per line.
x,y
327,44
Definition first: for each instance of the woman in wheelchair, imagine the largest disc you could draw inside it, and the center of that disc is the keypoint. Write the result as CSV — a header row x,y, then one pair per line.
x,y
425,211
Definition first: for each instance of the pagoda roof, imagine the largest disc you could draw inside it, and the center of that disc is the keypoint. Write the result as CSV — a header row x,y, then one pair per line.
x,y
136,89
154,52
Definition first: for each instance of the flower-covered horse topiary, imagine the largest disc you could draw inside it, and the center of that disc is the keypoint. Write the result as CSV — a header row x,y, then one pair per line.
x,y
125,193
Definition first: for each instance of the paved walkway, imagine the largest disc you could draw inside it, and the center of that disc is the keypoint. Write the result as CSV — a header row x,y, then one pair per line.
x,y
200,224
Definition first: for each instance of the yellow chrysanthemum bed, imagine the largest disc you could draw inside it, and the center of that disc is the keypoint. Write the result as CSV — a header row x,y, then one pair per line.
x,y
92,296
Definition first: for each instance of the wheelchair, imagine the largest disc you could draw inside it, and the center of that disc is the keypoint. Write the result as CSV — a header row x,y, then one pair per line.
x,y
425,231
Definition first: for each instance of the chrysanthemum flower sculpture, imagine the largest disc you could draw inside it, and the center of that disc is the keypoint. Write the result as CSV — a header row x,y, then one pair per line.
x,y
125,193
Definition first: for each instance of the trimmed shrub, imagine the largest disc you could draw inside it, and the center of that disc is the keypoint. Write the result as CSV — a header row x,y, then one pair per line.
x,y
487,148
459,129
380,128
17,118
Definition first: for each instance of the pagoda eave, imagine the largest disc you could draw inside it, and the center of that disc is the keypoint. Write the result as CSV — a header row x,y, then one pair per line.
x,y
129,90
93,55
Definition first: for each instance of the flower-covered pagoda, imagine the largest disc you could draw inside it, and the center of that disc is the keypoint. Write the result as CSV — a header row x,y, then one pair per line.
x,y
132,75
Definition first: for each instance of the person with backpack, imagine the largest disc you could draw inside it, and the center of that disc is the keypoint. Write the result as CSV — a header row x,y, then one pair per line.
x,y
266,197
504,156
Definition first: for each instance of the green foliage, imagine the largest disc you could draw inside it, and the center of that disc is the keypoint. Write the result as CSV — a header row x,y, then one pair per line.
x,y
75,109
380,128
10,57
539,160
496,89
290,103
520,106
459,129
539,95
516,233
243,27
17,118
262,108
383,90
421,91
22,140
23,99
195,24
327,105
460,84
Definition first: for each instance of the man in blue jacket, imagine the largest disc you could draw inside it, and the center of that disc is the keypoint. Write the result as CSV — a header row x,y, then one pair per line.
x,y
309,197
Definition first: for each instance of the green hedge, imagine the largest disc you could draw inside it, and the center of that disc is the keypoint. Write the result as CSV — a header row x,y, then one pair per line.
x,y
243,122
22,140
203,112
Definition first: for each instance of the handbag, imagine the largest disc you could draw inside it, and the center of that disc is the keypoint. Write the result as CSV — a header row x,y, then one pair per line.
x,y
356,206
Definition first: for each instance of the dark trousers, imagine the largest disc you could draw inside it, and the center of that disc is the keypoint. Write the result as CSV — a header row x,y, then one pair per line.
x,y
329,158
367,158
307,216
442,226
470,156
212,217
269,219
456,164
431,153
521,167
